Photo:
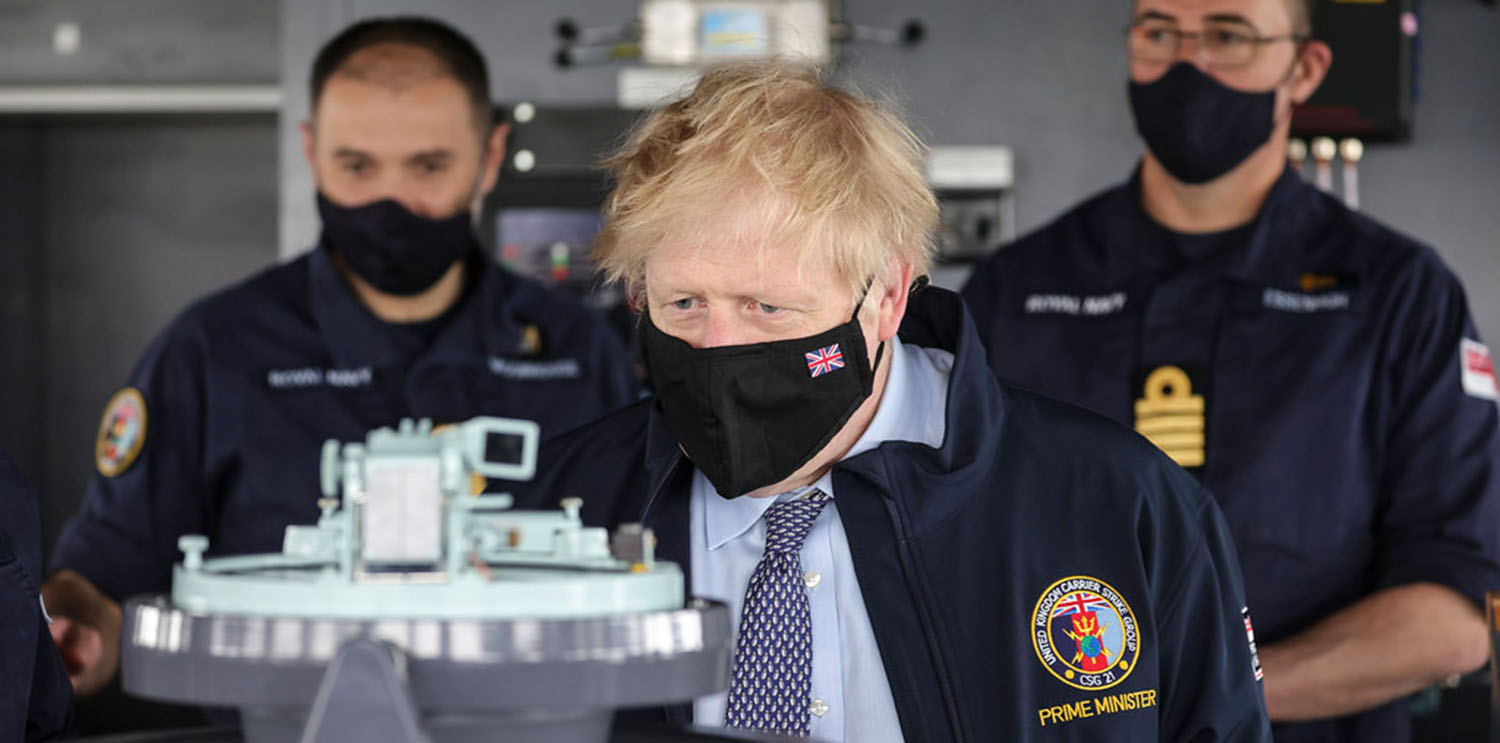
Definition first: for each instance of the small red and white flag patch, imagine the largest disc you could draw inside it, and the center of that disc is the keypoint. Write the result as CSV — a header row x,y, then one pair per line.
x,y
1250,636
1478,370
824,360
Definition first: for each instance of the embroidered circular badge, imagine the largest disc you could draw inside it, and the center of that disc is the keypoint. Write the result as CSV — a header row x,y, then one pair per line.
x,y
122,433
1085,633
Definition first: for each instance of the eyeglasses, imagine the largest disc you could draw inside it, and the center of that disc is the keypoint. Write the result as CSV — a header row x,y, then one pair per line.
x,y
1223,43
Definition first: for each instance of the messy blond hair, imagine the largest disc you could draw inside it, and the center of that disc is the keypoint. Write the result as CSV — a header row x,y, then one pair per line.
x,y
842,174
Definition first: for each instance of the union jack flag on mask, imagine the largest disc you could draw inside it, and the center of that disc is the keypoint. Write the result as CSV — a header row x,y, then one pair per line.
x,y
824,360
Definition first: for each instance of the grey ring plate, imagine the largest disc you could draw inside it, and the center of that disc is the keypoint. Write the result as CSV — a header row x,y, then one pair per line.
x,y
614,661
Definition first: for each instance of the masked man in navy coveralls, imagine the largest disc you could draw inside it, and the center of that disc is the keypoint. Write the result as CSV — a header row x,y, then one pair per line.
x,y
1318,372
36,700
395,314
910,549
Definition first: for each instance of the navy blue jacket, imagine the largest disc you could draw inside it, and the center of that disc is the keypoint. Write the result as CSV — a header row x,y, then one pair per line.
x,y
1339,435
36,698
242,389
958,549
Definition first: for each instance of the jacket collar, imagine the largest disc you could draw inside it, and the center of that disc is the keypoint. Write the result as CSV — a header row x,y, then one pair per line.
x,y
975,411
668,470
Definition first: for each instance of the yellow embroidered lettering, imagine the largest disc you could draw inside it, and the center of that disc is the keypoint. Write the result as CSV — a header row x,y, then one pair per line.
x,y
1106,705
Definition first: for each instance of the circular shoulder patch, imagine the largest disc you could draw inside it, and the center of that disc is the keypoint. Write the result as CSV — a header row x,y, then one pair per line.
x,y
1085,633
122,432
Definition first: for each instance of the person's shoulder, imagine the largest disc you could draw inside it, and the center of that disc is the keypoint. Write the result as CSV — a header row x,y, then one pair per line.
x,y
1072,230
529,296
227,321
1405,265
1404,272
1341,235
621,433
15,491
1074,238
1112,459
277,288
1067,431
598,458
564,318
20,530
280,285
10,475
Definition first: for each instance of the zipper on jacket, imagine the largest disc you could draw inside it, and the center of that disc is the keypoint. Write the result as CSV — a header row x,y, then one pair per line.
x,y
945,684
666,475
681,713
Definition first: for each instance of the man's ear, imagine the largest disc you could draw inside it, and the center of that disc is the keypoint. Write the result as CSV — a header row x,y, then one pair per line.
x,y
893,299
494,157
1310,70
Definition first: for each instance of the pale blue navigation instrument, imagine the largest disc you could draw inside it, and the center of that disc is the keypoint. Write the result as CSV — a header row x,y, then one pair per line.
x,y
416,609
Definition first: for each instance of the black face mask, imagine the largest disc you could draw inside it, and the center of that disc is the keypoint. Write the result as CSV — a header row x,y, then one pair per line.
x,y
749,416
1198,128
394,250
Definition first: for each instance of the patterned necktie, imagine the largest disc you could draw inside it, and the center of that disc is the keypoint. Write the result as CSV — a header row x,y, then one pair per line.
x,y
772,681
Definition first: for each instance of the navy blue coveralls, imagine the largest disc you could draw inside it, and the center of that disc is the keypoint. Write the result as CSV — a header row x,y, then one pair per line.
x,y
959,550
244,387
1337,426
36,698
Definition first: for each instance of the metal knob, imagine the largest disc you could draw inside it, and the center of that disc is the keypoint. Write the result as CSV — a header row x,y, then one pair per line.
x,y
1351,150
1324,149
193,546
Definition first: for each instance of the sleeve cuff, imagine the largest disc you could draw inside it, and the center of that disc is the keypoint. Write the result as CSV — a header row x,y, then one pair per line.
x,y
1447,565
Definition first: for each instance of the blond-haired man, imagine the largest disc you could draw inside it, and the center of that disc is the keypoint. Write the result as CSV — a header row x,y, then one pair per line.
x,y
910,549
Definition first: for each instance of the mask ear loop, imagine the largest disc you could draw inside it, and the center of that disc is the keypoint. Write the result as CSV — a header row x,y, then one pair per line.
x,y
860,303
879,353
854,318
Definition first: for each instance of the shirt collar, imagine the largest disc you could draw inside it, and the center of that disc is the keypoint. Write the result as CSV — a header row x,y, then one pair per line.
x,y
907,411
899,416
728,519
